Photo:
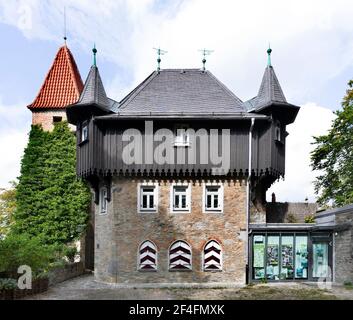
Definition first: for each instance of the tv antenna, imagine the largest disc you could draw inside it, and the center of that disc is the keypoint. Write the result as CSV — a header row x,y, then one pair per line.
x,y
160,52
205,53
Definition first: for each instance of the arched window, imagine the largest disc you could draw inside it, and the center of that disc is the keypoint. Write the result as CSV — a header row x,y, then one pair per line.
x,y
180,256
148,256
212,256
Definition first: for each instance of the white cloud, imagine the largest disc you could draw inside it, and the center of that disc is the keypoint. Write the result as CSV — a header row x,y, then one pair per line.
x,y
312,120
311,43
15,124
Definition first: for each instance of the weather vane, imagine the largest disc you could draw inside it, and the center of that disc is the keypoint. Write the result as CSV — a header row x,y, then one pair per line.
x,y
159,53
205,53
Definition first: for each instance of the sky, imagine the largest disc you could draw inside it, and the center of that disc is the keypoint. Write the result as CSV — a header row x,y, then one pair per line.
x,y
312,56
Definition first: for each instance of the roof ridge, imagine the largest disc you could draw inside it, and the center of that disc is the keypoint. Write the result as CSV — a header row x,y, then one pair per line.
x,y
132,94
73,65
224,87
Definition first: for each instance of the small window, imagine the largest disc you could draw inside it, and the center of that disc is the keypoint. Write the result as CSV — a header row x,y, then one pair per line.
x,y
180,256
148,198
103,200
213,198
180,198
148,256
57,119
278,135
84,131
212,256
182,138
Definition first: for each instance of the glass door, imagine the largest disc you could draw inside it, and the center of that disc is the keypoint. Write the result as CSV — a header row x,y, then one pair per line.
x,y
321,260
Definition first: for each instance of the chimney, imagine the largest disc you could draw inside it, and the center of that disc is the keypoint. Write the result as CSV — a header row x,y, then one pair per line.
x,y
273,197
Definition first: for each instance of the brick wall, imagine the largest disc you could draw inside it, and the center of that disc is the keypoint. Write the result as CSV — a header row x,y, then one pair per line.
x,y
119,233
45,118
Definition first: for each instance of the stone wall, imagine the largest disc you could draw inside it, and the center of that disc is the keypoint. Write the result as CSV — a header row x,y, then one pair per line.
x,y
119,233
66,272
344,249
45,118
289,212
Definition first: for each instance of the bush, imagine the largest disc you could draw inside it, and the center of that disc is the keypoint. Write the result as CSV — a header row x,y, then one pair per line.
x,y
291,218
309,218
17,250
70,253
8,284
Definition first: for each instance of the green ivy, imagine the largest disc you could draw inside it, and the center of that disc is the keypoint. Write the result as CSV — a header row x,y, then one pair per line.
x,y
51,203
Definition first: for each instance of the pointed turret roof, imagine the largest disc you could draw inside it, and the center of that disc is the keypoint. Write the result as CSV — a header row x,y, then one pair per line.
x,y
93,91
62,85
270,97
93,99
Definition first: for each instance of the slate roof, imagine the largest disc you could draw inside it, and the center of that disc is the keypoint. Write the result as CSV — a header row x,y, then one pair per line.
x,y
184,91
270,92
62,85
94,92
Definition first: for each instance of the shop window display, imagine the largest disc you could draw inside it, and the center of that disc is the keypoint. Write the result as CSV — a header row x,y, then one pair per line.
x,y
301,257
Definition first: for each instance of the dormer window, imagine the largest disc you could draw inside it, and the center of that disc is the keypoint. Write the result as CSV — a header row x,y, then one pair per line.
x,y
182,138
84,131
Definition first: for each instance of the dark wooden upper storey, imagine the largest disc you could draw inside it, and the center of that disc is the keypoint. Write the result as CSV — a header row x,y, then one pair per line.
x,y
173,99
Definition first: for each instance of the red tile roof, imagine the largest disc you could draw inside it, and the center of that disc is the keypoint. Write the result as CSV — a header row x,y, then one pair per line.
x,y
62,85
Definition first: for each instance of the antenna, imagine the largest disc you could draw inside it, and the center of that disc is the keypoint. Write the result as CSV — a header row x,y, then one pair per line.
x,y
65,35
159,53
205,53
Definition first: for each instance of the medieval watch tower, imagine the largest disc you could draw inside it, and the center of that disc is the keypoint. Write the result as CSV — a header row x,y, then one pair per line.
x,y
62,86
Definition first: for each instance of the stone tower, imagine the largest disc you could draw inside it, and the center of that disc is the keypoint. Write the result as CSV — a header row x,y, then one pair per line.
x,y
62,86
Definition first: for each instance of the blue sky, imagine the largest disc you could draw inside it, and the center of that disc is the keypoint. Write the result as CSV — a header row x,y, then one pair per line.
x,y
312,46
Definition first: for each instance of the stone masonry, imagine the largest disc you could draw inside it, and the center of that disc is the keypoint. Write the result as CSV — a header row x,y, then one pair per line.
x,y
344,249
119,233
46,118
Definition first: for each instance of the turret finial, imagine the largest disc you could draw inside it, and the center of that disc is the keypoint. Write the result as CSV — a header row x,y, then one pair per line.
x,y
205,53
94,50
269,50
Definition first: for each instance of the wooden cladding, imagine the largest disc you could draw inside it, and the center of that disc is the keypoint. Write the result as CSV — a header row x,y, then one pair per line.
x,y
101,154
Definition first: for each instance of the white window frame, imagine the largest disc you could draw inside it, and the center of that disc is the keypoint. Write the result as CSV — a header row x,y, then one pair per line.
x,y
181,140
84,131
139,257
203,257
103,201
188,197
220,197
140,186
278,132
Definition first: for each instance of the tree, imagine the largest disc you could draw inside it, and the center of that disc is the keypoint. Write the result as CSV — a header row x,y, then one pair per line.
x,y
333,157
51,202
7,208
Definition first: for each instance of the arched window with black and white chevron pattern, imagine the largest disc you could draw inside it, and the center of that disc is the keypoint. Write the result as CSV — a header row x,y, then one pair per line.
x,y
148,256
180,256
212,256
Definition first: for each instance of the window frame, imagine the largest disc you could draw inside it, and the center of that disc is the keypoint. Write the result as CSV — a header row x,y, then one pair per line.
x,y
191,256
187,185
183,143
103,199
142,185
84,128
139,257
203,257
220,197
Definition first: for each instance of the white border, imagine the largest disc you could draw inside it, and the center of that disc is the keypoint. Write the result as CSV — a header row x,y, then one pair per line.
x,y
221,196
180,270
188,197
138,257
203,256
156,196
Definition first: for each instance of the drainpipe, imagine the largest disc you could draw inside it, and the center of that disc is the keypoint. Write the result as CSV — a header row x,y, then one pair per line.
x,y
248,198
